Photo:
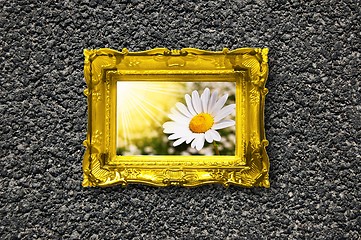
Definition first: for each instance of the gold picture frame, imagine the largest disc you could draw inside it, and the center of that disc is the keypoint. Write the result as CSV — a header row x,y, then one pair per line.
x,y
246,67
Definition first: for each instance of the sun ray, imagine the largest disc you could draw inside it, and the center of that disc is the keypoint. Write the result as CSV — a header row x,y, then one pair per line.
x,y
142,107
135,105
164,113
127,128
149,113
124,132
166,91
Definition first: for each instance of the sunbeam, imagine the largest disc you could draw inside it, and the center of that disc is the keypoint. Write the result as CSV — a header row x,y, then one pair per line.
x,y
142,107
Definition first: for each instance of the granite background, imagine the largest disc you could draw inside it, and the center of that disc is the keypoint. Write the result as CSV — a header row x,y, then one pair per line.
x,y
313,120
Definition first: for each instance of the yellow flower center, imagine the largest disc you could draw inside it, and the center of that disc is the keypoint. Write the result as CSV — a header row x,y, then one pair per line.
x,y
201,123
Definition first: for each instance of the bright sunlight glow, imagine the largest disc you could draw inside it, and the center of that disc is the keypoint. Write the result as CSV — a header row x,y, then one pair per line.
x,y
143,106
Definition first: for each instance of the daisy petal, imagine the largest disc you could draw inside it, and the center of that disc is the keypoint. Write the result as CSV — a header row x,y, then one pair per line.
x,y
193,144
196,101
183,109
179,142
208,136
170,124
187,134
205,99
170,130
189,105
169,127
224,112
175,111
175,136
200,141
223,124
215,135
220,103
212,101
190,137
179,118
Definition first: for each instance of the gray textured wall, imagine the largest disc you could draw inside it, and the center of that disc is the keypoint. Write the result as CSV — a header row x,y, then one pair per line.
x,y
312,120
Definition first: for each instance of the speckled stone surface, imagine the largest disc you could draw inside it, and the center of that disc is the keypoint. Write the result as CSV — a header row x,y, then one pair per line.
x,y
313,120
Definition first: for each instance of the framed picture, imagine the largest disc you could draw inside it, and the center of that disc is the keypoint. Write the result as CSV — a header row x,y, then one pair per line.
x,y
176,117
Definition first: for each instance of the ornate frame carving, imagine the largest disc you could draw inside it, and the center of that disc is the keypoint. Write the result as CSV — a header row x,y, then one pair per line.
x,y
246,66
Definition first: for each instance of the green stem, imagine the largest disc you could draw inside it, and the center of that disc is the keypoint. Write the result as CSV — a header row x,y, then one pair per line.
x,y
216,148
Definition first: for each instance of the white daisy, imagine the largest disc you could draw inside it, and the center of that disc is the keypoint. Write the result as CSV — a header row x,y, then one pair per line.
x,y
198,121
